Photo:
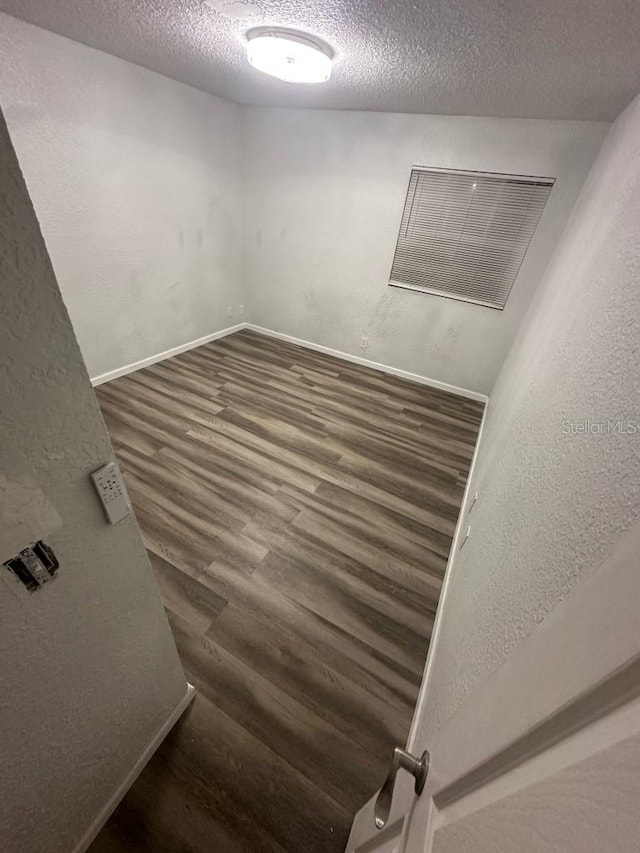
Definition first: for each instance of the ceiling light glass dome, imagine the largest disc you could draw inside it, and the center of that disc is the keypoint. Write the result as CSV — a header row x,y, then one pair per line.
x,y
288,56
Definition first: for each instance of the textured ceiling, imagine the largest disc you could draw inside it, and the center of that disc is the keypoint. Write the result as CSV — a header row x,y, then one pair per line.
x,y
540,58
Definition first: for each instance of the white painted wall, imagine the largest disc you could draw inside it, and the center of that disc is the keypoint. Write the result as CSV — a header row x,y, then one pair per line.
x,y
88,668
136,182
139,183
553,502
324,195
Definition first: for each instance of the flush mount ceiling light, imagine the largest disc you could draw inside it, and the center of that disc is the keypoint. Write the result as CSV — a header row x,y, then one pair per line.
x,y
289,56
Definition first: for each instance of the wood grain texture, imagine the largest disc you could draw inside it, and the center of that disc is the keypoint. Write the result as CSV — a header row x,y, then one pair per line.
x,y
298,511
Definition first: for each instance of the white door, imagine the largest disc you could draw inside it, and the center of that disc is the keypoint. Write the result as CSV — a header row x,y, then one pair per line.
x,y
545,755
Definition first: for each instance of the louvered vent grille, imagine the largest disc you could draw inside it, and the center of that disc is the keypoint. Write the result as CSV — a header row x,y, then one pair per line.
x,y
465,234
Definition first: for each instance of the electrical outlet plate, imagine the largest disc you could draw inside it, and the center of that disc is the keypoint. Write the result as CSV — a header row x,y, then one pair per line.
x,y
112,492
364,342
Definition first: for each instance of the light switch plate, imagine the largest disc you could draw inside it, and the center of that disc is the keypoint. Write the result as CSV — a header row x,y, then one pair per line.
x,y
112,492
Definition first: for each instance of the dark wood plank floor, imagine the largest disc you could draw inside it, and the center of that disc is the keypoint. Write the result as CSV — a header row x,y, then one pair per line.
x,y
298,512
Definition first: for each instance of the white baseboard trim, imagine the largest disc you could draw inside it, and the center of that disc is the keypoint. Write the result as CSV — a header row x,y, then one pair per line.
x,y
345,356
113,802
145,362
365,362
461,526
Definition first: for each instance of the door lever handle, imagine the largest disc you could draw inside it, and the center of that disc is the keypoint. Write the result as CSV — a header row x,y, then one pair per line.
x,y
402,760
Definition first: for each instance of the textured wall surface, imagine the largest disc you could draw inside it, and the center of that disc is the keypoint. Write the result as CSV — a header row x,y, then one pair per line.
x,y
324,197
575,59
136,183
88,668
161,206
554,499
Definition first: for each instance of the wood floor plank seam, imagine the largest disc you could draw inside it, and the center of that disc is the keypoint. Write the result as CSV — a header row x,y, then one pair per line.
x,y
298,511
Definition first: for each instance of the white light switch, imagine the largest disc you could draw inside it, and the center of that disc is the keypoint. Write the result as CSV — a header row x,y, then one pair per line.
x,y
112,492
